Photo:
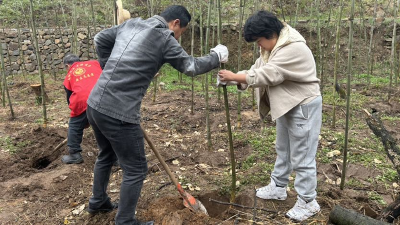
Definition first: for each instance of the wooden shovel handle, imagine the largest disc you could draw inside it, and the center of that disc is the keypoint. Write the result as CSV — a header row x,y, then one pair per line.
x,y
160,158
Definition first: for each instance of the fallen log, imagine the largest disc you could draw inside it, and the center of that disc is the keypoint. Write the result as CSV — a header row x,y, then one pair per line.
x,y
343,216
393,152
389,143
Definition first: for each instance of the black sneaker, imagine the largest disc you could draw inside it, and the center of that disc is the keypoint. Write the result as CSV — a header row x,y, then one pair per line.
x,y
108,206
75,158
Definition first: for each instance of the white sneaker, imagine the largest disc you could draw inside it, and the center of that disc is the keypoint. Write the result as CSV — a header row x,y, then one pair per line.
x,y
303,210
271,191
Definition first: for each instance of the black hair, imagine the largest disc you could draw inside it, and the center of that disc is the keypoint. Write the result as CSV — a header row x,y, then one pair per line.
x,y
177,12
262,24
70,59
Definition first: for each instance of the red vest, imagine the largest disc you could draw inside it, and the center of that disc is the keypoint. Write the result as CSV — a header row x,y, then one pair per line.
x,y
80,79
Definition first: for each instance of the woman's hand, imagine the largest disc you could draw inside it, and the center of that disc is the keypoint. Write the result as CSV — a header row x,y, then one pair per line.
x,y
226,76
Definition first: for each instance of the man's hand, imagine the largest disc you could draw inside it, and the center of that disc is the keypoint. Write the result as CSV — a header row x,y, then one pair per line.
x,y
222,52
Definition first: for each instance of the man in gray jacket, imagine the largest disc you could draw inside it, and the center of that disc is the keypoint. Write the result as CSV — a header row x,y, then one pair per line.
x,y
131,55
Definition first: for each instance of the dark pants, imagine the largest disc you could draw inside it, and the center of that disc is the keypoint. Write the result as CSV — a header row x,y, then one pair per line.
x,y
76,126
123,141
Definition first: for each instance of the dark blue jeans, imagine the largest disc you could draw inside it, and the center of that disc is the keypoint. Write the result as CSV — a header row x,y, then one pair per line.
x,y
123,141
76,125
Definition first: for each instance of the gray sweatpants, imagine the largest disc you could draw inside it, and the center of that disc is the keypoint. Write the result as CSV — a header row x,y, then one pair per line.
x,y
297,135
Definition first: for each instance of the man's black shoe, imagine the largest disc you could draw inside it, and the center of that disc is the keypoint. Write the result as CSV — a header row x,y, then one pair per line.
x,y
106,207
74,158
144,223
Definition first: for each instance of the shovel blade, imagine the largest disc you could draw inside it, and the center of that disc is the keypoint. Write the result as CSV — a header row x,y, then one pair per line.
x,y
194,204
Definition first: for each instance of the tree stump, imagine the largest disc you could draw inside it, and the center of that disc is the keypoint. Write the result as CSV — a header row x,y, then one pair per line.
x,y
38,92
343,216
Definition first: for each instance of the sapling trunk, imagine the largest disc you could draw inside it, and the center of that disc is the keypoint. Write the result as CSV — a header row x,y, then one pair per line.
x,y
3,74
94,26
317,3
393,50
239,94
349,75
338,24
179,73
21,55
39,61
75,29
201,41
228,120
255,56
370,56
209,143
326,42
115,9
5,85
297,10
192,53
217,14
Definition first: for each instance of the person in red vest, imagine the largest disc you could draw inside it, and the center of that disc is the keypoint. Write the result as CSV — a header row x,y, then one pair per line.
x,y
78,83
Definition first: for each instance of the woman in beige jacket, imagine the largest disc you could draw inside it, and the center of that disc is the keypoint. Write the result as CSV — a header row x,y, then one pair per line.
x,y
287,86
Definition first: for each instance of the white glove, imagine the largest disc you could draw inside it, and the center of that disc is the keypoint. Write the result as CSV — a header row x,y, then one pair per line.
x,y
222,52
227,83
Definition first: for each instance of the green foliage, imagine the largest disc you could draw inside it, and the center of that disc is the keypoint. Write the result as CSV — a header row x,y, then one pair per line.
x,y
374,196
389,175
11,146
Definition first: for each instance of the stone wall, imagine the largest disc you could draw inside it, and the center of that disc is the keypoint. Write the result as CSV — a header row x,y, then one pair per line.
x,y
53,45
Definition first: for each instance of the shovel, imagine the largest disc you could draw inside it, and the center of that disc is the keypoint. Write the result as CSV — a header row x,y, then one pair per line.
x,y
188,200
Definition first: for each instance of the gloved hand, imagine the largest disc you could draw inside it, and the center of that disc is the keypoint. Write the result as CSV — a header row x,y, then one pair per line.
x,y
227,83
222,52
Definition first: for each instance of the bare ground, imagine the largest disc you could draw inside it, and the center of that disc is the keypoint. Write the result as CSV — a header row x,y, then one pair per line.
x,y
36,188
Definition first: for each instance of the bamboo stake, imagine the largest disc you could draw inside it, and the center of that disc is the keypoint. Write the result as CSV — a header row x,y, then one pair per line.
x,y
349,75
228,120
39,60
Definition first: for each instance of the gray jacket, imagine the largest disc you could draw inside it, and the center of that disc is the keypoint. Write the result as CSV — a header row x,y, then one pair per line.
x,y
131,54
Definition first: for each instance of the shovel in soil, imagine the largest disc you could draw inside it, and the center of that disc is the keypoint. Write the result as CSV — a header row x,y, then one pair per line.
x,y
188,200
